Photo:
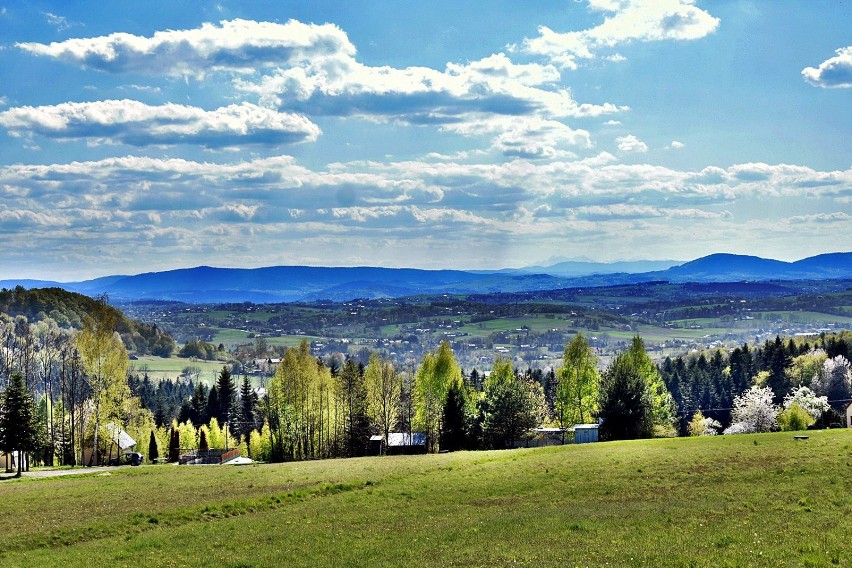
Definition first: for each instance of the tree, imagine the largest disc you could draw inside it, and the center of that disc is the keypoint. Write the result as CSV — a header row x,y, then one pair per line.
x,y
105,363
754,411
153,449
248,403
703,426
807,400
174,445
835,382
203,446
625,405
437,374
511,406
663,408
794,418
18,423
383,393
579,384
228,410
357,422
453,421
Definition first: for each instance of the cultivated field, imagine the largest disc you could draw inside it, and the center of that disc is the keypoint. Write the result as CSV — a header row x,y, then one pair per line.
x,y
747,500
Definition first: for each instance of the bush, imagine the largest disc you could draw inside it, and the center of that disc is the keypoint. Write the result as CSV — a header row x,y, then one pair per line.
x,y
794,419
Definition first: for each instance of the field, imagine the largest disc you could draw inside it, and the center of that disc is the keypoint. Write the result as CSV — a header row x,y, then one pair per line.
x,y
748,500
171,367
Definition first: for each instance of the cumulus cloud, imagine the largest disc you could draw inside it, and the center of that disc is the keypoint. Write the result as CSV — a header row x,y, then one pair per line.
x,y
239,46
630,144
676,145
626,21
493,86
832,73
138,124
313,69
144,205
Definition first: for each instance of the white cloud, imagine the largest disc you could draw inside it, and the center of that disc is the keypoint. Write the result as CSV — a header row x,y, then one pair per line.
x,y
312,69
239,46
493,86
676,145
61,23
147,206
138,124
835,72
630,144
626,21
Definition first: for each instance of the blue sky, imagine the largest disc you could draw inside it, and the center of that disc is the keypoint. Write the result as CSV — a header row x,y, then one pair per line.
x,y
157,135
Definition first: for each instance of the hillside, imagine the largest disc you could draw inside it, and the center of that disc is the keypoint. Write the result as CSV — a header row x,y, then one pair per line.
x,y
70,309
740,500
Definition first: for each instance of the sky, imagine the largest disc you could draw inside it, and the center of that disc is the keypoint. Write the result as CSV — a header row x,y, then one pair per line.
x,y
143,136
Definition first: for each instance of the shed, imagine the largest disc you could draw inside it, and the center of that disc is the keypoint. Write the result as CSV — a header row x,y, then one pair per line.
x,y
407,443
374,446
585,433
849,415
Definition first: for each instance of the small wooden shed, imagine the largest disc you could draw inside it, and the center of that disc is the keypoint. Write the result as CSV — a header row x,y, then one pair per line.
x,y
405,443
585,433
849,415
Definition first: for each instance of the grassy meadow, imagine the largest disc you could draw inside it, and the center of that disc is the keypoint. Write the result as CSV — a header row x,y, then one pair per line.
x,y
747,500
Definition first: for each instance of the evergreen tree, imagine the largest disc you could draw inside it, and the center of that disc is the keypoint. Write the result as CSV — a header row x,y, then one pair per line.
x,y
174,445
18,423
624,402
248,403
153,450
213,404
453,423
228,411
357,422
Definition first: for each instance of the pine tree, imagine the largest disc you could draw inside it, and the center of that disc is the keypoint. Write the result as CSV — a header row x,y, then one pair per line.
x,y
18,420
228,410
248,403
153,450
174,445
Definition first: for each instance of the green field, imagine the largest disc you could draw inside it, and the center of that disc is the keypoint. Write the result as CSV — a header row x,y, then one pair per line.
x,y
170,368
748,500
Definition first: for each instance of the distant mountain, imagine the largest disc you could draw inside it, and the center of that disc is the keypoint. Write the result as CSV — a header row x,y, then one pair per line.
x,y
205,284
573,268
736,268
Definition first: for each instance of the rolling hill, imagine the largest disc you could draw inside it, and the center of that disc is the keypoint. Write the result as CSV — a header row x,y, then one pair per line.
x,y
205,284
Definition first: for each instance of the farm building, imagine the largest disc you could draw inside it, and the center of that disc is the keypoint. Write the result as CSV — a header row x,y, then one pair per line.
x,y
407,443
585,433
849,415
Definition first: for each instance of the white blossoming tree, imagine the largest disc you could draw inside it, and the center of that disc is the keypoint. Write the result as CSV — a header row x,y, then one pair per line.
x,y
835,382
807,401
753,412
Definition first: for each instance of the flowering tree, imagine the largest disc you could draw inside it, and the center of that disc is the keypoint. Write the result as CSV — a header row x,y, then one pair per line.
x,y
807,401
753,412
701,425
835,382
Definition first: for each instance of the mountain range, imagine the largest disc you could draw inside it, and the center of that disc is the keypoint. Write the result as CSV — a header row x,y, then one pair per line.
x,y
206,284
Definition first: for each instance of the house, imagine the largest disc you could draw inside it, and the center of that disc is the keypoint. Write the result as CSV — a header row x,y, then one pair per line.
x,y
585,433
119,442
406,443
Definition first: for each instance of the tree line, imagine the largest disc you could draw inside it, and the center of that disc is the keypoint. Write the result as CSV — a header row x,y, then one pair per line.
x,y
65,392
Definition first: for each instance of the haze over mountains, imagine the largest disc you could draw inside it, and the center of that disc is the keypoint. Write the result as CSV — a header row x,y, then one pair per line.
x,y
305,283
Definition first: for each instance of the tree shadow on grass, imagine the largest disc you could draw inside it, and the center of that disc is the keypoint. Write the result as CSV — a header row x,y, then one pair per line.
x,y
10,476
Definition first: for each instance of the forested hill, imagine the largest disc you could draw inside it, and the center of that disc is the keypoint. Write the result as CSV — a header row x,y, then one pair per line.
x,y
69,310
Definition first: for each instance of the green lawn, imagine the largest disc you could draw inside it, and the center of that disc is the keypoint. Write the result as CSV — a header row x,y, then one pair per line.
x,y
748,500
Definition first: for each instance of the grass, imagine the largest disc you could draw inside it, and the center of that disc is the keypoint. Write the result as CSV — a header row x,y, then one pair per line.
x,y
171,367
748,500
